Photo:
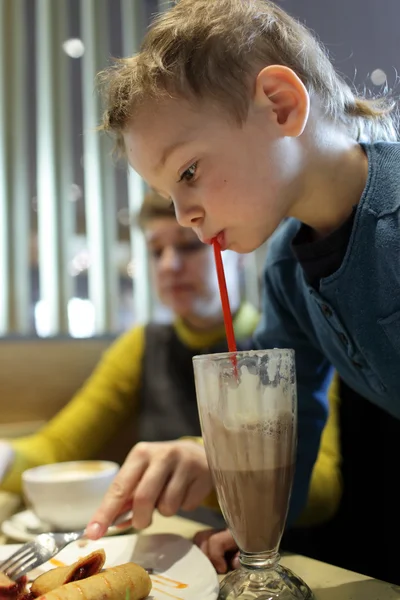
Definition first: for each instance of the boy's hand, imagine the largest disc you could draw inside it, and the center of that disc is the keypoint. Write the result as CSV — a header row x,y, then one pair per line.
x,y
163,475
219,547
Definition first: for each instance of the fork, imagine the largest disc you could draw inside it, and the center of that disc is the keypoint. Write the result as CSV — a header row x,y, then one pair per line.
x,y
43,547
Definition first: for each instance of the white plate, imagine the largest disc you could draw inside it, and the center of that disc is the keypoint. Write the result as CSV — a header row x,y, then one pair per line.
x,y
181,569
25,525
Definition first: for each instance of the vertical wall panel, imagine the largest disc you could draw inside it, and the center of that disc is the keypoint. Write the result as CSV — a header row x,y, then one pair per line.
x,y
5,179
20,309
14,188
133,28
98,171
54,172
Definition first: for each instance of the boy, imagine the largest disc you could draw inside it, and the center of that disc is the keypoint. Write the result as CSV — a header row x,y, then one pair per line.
x,y
233,111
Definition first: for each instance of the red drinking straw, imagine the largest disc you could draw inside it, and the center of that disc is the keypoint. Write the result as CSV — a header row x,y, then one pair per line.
x,y
230,335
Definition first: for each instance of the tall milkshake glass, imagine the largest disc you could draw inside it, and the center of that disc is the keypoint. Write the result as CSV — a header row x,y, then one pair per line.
x,y
248,410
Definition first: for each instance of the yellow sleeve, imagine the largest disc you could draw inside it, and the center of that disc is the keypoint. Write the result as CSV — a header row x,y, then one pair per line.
x,y
326,482
93,415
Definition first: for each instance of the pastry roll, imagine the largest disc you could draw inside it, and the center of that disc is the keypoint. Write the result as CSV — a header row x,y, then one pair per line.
x,y
125,582
83,568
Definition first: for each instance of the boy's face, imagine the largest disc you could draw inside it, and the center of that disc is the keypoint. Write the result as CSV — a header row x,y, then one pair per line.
x,y
225,180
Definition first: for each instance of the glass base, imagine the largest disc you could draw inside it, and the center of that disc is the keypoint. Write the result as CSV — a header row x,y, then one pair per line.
x,y
278,583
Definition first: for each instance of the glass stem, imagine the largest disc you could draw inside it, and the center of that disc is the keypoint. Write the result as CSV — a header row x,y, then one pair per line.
x,y
259,560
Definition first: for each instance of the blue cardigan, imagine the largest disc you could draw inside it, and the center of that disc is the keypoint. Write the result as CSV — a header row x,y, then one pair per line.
x,y
352,324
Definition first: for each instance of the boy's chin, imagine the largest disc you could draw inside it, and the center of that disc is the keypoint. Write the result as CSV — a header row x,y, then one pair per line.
x,y
242,247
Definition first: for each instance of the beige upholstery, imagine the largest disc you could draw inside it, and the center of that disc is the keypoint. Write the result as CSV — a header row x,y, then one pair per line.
x,y
39,376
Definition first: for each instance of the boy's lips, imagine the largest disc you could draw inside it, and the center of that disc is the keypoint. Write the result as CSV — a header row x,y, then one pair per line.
x,y
220,237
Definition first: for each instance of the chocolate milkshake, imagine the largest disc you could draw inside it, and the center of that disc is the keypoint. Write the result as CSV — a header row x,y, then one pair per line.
x,y
249,430
252,468
248,410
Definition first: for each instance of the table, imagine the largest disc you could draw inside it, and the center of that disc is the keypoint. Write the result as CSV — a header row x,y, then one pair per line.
x,y
327,582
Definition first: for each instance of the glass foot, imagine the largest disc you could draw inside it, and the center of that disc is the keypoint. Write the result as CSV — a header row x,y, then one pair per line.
x,y
278,583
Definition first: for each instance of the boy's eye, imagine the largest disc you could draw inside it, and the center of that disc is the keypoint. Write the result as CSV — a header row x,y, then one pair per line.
x,y
189,173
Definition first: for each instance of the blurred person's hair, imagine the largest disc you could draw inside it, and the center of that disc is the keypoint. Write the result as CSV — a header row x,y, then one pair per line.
x,y
154,206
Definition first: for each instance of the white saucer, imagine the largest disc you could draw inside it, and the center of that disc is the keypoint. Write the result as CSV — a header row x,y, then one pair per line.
x,y
25,525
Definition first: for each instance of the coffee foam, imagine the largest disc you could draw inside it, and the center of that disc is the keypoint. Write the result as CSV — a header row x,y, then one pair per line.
x,y
69,471
68,475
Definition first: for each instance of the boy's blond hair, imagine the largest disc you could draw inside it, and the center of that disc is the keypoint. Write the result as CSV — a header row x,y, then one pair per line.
x,y
213,50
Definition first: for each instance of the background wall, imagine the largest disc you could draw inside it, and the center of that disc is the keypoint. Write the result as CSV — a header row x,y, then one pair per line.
x,y
57,276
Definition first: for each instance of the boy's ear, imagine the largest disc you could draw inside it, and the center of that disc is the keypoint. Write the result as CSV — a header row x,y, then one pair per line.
x,y
282,92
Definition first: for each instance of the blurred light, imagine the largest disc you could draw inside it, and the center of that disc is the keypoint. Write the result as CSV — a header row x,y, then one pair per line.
x,y
378,77
76,193
73,271
81,262
124,217
41,319
34,203
130,269
81,318
74,47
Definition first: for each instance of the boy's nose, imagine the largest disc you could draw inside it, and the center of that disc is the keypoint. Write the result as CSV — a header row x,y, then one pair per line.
x,y
189,217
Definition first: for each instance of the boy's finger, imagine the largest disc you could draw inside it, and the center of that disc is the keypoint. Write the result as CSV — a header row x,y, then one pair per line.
x,y
235,564
202,536
218,545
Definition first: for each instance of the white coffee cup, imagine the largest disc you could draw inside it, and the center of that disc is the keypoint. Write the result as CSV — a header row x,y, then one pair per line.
x,y
65,495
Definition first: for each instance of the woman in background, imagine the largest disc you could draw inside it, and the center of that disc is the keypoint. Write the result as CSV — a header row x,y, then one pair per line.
x,y
144,384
